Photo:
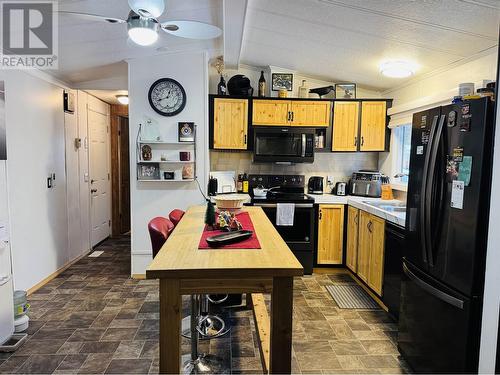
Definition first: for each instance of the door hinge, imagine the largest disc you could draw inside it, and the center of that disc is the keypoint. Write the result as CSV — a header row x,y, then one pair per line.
x,y
119,133
109,177
109,222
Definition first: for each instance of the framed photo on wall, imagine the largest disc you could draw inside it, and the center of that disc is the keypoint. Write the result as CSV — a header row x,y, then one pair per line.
x,y
186,131
148,171
345,91
282,81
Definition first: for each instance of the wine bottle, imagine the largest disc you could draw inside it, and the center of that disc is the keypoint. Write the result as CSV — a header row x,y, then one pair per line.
x,y
221,87
262,85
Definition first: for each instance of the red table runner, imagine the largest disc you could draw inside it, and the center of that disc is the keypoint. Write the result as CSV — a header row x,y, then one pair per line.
x,y
249,243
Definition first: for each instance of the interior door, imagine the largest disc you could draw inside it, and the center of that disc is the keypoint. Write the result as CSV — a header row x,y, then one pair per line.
x,y
345,126
352,239
310,113
373,126
271,112
330,234
230,124
100,193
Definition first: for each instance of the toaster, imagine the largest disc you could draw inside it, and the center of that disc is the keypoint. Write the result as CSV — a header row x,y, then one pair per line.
x,y
366,184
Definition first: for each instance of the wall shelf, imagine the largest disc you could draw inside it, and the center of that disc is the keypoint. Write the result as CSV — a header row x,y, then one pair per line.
x,y
166,161
186,180
165,143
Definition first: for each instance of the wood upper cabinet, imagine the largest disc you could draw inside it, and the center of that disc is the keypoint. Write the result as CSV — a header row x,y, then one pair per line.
x,y
310,113
373,126
230,124
330,234
271,112
371,250
352,239
345,126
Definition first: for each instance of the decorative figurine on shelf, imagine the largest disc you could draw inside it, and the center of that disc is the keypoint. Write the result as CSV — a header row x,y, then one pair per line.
x,y
210,215
147,152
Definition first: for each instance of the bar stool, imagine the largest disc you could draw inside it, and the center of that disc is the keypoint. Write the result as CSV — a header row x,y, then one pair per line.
x,y
208,326
159,229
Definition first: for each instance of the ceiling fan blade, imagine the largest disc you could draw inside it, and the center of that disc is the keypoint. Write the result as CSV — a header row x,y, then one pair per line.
x,y
191,29
94,17
147,8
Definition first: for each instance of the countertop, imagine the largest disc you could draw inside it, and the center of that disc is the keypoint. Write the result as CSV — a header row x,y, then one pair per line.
x,y
398,218
181,258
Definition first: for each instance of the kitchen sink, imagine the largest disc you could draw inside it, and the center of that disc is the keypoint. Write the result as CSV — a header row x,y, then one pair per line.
x,y
396,207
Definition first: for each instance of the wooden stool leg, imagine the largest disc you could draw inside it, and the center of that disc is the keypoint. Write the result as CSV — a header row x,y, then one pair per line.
x,y
281,326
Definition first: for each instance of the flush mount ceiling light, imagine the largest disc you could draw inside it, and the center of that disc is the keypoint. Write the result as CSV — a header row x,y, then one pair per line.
x,y
122,99
143,31
398,68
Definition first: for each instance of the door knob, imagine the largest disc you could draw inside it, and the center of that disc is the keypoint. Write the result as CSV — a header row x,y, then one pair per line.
x,y
93,191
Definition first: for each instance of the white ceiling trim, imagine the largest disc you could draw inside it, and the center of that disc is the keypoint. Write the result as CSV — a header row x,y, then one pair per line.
x,y
407,19
233,20
481,4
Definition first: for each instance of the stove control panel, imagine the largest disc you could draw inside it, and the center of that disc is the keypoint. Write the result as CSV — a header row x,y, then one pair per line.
x,y
268,181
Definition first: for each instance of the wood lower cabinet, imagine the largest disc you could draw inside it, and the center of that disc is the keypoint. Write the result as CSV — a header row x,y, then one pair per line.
x,y
373,126
351,260
345,126
371,250
310,113
330,234
230,124
271,112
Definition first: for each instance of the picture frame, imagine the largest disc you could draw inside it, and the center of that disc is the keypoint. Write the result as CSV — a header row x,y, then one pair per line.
x,y
345,91
282,81
148,171
186,131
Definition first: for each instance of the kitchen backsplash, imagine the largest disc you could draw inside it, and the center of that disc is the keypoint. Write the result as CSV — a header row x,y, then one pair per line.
x,y
338,165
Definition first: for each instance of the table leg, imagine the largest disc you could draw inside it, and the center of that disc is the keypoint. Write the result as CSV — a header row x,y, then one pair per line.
x,y
170,326
281,326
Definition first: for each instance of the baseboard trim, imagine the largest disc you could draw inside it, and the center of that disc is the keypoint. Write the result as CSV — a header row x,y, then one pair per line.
x,y
53,275
139,276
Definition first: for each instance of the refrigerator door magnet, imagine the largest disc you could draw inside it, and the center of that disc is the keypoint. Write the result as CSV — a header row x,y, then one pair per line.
x,y
465,170
452,119
457,195
458,154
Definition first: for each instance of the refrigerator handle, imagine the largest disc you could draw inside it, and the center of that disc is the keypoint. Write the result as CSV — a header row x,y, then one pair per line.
x,y
423,191
433,291
436,138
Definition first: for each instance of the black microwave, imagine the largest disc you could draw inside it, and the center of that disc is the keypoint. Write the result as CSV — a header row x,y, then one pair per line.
x,y
283,145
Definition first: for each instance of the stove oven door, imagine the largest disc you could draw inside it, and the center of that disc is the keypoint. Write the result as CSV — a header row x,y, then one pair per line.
x,y
300,236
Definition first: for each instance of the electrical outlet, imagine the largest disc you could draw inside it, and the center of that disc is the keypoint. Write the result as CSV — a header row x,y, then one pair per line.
x,y
329,180
49,182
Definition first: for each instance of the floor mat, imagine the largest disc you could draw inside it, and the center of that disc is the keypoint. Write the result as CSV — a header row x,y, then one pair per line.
x,y
351,296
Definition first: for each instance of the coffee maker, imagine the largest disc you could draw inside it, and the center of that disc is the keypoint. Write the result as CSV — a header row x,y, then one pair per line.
x,y
315,185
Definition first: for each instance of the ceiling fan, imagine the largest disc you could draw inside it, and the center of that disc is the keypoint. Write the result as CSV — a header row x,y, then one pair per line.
x,y
143,25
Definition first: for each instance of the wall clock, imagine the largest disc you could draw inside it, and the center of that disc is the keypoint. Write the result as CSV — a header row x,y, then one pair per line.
x,y
167,97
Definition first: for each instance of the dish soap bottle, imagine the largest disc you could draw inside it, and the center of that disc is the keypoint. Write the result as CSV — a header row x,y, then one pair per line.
x,y
262,85
304,90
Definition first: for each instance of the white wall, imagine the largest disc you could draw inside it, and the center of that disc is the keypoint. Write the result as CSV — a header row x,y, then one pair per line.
x,y
36,148
491,301
151,199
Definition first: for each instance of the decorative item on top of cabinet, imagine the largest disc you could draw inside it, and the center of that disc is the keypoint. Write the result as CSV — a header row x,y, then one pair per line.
x,y
345,126
282,81
330,234
352,239
304,90
345,91
371,251
230,124
373,126
322,91
219,66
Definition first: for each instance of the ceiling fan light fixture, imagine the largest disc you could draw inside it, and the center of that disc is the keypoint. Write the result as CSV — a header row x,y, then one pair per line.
x,y
122,99
398,68
148,8
143,31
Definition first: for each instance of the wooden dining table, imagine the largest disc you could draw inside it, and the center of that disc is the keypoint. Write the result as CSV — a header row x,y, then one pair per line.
x,y
184,269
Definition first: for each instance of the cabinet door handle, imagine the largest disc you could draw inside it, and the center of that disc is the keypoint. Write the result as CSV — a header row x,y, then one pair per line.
x,y
362,141
320,214
245,139
289,118
355,141
370,224
92,191
292,116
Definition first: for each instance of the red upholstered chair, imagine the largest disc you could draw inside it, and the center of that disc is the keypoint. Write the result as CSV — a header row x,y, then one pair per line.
x,y
175,216
159,230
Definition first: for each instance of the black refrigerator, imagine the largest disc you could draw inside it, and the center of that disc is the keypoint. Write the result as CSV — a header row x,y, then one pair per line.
x,y
446,233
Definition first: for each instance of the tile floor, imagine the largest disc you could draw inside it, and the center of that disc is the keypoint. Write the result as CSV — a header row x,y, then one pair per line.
x,y
94,319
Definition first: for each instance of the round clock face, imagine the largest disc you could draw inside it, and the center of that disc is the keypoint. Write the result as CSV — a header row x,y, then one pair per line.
x,y
167,97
